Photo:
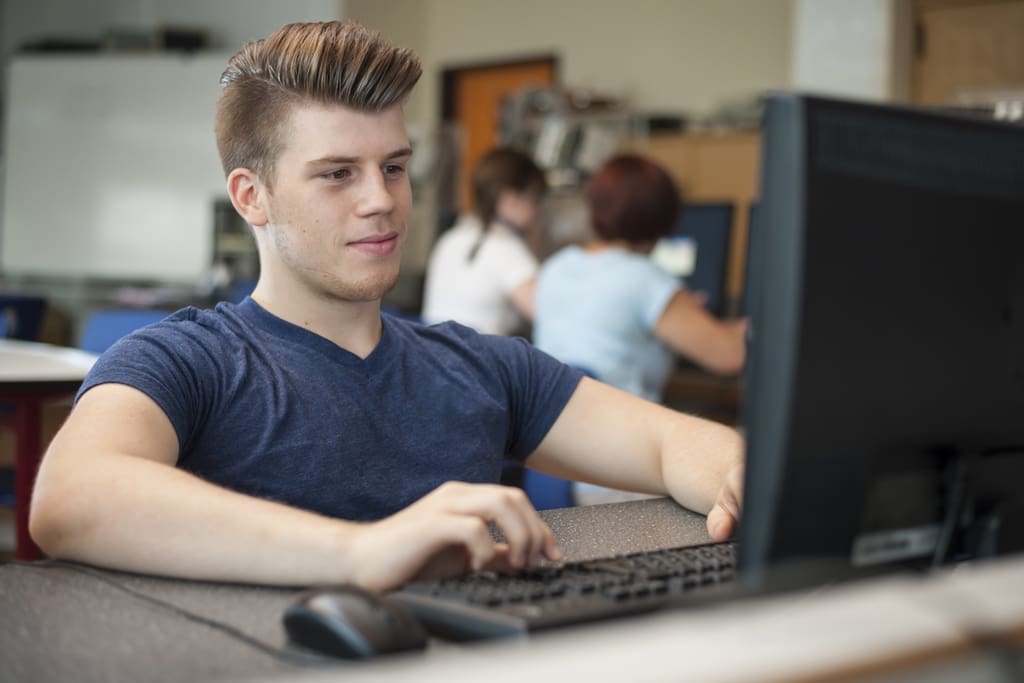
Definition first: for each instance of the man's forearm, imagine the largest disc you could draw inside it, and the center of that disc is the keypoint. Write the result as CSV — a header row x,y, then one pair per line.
x,y
125,512
697,456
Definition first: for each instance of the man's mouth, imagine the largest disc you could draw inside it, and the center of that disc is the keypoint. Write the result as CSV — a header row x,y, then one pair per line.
x,y
376,245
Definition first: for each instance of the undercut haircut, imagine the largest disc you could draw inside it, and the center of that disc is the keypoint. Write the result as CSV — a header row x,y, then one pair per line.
x,y
328,63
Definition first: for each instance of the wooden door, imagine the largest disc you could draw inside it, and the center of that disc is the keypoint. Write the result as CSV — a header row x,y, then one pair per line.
x,y
963,45
472,100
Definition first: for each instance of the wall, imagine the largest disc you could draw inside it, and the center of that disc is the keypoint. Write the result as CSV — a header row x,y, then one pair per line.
x,y
856,49
663,55
230,22
138,166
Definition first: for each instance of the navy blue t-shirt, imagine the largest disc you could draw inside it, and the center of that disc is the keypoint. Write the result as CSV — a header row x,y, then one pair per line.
x,y
267,408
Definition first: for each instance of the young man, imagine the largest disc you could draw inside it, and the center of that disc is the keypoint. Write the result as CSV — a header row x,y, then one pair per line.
x,y
301,438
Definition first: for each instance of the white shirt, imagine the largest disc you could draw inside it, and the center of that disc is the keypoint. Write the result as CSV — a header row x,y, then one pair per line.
x,y
476,292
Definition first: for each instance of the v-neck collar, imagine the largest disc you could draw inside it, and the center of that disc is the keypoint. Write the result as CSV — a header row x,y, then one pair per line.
x,y
295,334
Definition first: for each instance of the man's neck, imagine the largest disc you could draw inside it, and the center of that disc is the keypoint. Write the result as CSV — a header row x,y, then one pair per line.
x,y
353,325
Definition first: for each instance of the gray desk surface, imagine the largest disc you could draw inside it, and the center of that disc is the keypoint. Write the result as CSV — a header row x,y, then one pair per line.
x,y
63,622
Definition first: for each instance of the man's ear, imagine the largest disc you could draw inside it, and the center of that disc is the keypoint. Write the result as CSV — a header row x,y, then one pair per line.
x,y
248,195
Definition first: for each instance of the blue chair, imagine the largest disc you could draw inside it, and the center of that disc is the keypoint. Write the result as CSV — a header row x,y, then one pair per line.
x,y
7,488
106,326
546,492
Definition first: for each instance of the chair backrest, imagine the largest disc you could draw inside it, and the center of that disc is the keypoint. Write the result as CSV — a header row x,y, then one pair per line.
x,y
106,326
546,492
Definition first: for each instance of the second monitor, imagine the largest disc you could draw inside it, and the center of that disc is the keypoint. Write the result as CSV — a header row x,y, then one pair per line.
x,y
698,251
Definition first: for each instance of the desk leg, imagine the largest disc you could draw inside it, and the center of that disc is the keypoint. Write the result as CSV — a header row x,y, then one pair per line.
x,y
27,457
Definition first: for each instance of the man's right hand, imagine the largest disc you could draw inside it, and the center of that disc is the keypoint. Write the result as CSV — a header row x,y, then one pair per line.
x,y
447,533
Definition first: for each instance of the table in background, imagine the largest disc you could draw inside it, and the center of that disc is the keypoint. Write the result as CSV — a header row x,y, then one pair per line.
x,y
696,391
32,374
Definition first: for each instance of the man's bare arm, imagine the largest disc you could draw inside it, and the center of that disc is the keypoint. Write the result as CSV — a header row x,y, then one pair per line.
x,y
609,437
108,493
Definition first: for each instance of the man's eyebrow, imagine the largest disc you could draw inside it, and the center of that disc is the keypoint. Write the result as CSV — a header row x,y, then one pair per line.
x,y
404,152
398,153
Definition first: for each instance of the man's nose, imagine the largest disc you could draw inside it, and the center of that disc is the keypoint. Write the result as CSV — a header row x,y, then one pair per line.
x,y
376,194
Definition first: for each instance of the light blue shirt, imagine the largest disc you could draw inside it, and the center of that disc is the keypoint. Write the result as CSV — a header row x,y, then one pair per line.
x,y
597,311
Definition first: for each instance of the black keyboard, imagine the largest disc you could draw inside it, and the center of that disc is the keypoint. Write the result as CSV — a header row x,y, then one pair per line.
x,y
488,605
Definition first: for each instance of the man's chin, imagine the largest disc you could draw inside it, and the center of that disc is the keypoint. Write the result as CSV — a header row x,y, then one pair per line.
x,y
368,290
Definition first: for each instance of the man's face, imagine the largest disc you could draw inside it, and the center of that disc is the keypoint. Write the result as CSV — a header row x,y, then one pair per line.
x,y
338,212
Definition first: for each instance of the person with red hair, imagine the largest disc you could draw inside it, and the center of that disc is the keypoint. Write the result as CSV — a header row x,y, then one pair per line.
x,y
605,307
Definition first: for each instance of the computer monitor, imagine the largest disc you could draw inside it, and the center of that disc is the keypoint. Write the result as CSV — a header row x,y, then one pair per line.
x,y
884,401
698,251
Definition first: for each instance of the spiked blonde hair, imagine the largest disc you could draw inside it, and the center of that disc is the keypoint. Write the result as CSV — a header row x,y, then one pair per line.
x,y
335,62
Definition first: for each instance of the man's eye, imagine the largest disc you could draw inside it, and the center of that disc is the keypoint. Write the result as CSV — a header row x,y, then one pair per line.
x,y
394,169
340,174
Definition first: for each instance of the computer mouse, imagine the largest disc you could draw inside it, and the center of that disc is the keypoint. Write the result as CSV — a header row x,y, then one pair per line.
x,y
352,623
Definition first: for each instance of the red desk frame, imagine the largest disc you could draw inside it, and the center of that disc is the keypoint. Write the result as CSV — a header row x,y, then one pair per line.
x,y
28,401
30,375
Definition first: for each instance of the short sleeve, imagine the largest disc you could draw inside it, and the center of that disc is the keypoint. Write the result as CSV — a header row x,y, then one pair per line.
x,y
167,366
658,289
539,387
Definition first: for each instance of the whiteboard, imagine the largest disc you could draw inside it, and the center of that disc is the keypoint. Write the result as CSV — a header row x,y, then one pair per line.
x,y
111,167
